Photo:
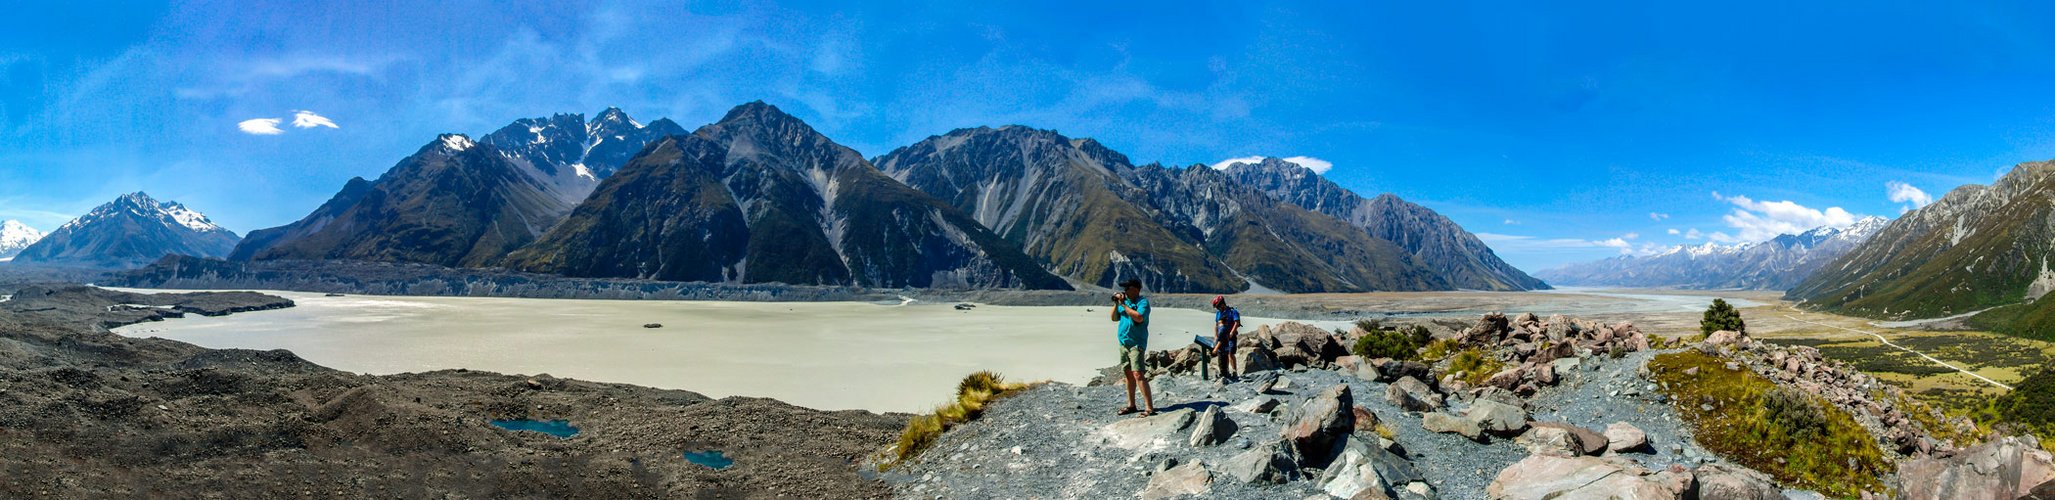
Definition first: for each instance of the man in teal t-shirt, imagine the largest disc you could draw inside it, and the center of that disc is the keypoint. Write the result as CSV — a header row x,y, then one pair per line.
x,y
1132,311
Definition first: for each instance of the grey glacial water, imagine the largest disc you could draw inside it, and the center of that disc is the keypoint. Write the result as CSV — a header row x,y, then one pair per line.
x,y
825,355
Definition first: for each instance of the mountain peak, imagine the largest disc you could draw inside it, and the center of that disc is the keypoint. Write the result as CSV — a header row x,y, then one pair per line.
x,y
450,143
760,112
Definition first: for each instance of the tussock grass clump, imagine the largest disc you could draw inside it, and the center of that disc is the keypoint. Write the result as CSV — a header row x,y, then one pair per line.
x,y
1440,349
973,394
1473,366
1788,434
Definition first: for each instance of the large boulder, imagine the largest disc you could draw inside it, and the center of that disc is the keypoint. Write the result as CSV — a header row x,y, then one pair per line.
x,y
1506,379
1446,423
1258,404
1318,346
1622,437
1213,427
1253,357
1391,369
1490,328
1361,471
1324,420
1726,337
1411,394
1718,481
1540,477
1190,479
2005,468
1577,440
1270,462
1558,328
1552,441
1136,433
1497,418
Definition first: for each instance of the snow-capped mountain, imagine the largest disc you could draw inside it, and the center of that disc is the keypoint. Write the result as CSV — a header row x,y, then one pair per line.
x,y
132,230
15,236
459,202
1779,263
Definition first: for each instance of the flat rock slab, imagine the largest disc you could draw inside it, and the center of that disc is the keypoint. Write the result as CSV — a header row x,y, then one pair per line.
x,y
1191,479
1135,433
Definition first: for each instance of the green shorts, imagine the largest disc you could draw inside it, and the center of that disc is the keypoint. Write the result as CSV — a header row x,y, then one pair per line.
x,y
1134,358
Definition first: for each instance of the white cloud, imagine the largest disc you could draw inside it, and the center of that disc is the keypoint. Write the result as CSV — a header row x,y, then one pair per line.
x,y
260,126
307,119
1318,166
1529,243
1693,234
1223,164
1762,220
1657,216
1511,222
1904,193
1674,232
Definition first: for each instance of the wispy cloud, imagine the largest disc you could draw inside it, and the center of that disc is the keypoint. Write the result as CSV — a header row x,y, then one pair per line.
x,y
260,126
307,119
1657,216
1522,243
1762,220
1511,222
1901,192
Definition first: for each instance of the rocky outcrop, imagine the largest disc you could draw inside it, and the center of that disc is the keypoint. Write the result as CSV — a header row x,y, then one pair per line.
x,y
1322,422
1722,482
2001,469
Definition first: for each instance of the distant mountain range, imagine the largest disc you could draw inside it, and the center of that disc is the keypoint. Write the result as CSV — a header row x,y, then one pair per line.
x,y
761,197
130,231
1776,264
15,236
1977,248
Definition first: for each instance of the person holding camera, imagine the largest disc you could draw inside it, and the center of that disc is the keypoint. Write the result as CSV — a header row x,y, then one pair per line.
x,y
1131,310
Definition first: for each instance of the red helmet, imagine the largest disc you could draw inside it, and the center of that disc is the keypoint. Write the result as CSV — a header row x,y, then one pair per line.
x,y
1219,301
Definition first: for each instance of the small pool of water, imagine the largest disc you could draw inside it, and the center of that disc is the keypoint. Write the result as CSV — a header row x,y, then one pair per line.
x,y
710,458
558,428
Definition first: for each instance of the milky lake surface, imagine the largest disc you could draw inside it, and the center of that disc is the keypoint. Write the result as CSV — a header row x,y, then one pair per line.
x,y
825,355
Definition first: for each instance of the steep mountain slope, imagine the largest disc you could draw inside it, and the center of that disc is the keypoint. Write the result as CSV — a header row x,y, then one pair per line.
x,y
1776,264
453,203
130,231
459,203
1435,242
15,236
1276,244
1064,201
1976,248
761,197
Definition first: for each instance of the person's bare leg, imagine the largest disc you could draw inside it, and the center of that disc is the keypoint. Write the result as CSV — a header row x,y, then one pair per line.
x,y
1130,376
1146,397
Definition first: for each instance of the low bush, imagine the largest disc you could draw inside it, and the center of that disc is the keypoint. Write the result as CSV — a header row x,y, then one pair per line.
x,y
1440,349
1386,344
2031,405
1473,366
973,394
1788,434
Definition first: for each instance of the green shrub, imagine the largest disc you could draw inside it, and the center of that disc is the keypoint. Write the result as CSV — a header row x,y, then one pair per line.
x,y
1721,316
2031,405
1385,344
1787,434
1440,349
1370,324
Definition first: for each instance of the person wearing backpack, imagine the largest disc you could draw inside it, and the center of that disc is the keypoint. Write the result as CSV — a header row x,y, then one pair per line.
x,y
1227,327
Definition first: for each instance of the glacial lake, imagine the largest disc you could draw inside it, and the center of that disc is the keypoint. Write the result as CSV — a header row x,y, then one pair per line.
x,y
823,355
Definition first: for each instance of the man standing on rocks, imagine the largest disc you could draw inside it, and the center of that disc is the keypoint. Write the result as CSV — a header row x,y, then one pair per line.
x,y
1132,311
1227,326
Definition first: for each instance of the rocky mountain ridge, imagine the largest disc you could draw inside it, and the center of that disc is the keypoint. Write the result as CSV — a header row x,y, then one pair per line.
x,y
1436,243
1976,248
132,230
1776,264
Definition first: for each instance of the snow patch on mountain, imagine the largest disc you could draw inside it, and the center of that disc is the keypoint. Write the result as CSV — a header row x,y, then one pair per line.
x,y
15,236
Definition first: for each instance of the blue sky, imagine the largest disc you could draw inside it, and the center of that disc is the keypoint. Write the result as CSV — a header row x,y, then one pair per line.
x,y
1557,133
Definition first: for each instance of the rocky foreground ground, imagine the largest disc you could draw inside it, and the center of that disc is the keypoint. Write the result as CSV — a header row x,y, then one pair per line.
x,y
85,413
1574,413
